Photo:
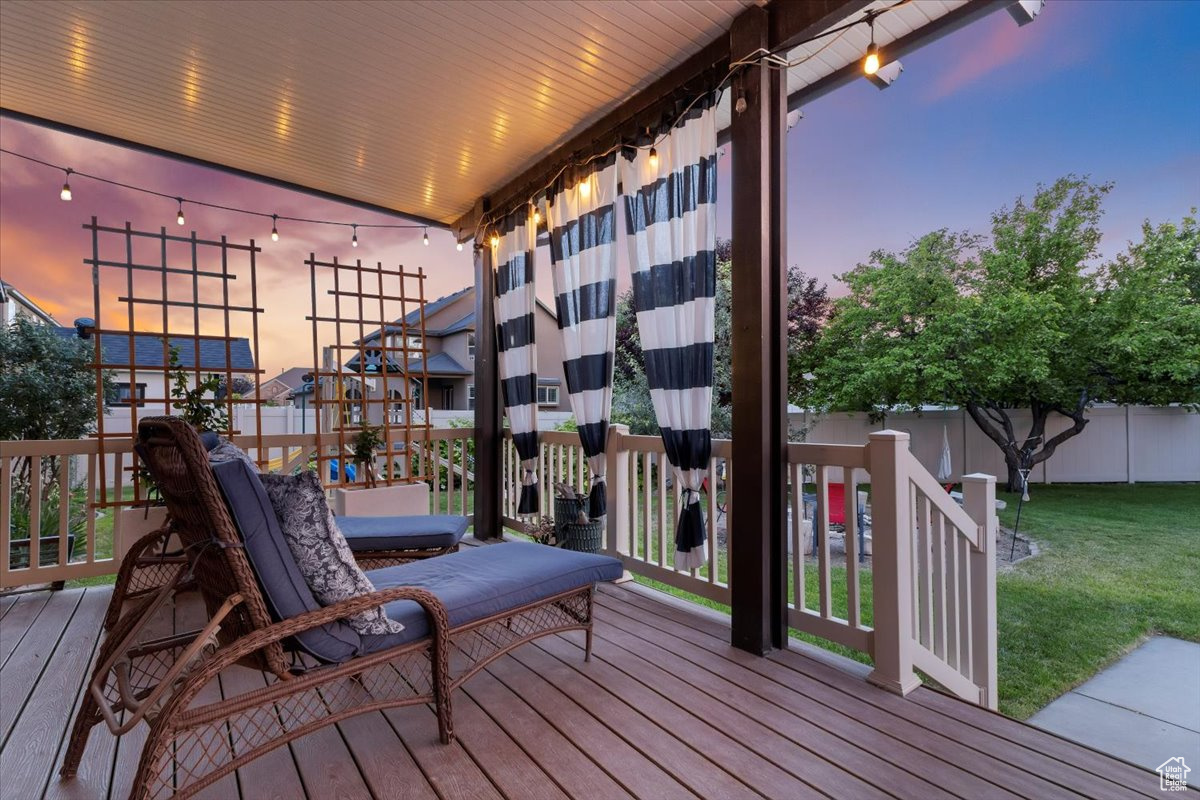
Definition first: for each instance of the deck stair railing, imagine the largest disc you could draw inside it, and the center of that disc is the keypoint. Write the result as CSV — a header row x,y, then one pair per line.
x,y
926,603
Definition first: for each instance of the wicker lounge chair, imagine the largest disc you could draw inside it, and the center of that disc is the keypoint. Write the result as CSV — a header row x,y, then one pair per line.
x,y
377,542
460,612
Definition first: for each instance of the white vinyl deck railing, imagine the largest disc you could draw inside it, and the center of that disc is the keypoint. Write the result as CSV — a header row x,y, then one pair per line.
x,y
85,537
926,602
930,605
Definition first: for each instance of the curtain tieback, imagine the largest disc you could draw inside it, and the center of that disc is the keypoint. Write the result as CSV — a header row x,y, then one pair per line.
x,y
530,477
691,496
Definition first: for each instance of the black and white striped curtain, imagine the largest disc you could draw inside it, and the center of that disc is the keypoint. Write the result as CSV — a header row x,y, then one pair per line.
x,y
580,216
515,300
670,214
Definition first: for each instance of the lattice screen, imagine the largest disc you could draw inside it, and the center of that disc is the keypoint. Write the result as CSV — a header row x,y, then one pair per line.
x,y
154,292
368,333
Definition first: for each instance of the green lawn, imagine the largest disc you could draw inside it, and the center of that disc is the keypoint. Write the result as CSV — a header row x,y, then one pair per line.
x,y
1118,563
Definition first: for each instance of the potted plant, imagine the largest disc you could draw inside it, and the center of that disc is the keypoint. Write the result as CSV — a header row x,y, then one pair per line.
x,y
544,531
574,529
372,499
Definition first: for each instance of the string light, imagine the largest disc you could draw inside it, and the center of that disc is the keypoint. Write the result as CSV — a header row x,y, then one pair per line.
x,y
871,62
354,238
66,193
458,247
537,217
585,188
425,238
653,158
495,240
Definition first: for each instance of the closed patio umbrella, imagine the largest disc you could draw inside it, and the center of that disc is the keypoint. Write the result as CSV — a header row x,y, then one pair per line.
x,y
944,468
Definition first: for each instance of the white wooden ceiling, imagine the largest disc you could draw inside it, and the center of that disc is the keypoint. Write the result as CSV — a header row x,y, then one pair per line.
x,y
417,106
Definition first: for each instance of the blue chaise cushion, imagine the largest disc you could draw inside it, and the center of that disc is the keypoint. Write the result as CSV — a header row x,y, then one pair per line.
x,y
418,531
478,582
286,592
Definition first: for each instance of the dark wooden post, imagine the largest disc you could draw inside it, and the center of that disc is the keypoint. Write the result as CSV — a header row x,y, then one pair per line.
x,y
489,523
757,574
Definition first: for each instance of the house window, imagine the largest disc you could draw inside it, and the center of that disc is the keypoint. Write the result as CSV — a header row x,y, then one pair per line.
x,y
352,409
396,406
471,346
547,395
471,394
125,395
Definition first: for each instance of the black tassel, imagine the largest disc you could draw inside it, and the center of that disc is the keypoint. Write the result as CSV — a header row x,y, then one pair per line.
x,y
597,504
529,500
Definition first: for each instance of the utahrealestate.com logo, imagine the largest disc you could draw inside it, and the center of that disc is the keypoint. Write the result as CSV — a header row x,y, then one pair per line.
x,y
1172,775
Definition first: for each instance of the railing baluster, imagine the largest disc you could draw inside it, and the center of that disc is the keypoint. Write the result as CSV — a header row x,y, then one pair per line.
x,y
645,503
853,615
64,508
91,509
796,473
631,504
6,470
939,579
35,513
925,538
661,532
824,567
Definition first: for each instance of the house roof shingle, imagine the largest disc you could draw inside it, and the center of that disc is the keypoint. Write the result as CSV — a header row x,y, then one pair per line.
x,y
148,351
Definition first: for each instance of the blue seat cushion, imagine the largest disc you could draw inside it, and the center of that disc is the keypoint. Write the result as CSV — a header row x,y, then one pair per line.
x,y
418,531
478,582
284,588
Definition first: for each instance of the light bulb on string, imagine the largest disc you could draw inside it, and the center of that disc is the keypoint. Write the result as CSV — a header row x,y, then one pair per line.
x,y
354,238
458,247
274,228
871,62
585,188
495,240
653,158
537,217
65,194
425,238
179,220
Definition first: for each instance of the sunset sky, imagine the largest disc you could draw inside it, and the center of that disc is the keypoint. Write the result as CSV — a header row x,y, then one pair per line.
x,y
1105,88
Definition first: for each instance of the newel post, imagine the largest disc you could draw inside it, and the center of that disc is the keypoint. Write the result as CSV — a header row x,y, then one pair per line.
x,y
892,575
616,540
979,501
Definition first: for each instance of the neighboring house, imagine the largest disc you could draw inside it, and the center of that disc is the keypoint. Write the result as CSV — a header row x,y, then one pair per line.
x,y
281,388
13,304
450,362
146,385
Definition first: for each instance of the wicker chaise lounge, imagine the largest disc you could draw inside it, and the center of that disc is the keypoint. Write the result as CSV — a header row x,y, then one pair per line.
x,y
377,542
460,612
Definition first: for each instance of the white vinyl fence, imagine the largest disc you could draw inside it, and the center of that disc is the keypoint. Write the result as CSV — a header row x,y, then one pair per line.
x,y
1121,444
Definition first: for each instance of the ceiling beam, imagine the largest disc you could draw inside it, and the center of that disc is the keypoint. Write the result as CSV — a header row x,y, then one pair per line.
x,y
200,162
793,21
948,23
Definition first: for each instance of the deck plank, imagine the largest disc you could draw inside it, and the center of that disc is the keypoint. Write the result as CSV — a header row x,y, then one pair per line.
x,y
272,776
17,621
556,746
604,744
723,767
666,708
386,765
516,775
792,744
27,759
449,769
6,603
22,671
997,759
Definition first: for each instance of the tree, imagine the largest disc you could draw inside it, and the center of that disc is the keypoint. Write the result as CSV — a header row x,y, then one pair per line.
x,y
808,306
241,387
1020,321
47,389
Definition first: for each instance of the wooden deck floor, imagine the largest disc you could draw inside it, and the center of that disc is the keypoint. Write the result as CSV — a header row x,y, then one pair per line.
x,y
666,709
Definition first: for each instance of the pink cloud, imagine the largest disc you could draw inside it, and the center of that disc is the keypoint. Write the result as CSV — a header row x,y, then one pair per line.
x,y
997,42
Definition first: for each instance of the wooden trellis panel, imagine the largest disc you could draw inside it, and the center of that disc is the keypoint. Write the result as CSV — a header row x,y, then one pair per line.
x,y
176,289
370,367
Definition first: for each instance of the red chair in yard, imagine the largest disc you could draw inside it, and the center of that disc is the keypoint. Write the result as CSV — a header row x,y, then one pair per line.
x,y
837,515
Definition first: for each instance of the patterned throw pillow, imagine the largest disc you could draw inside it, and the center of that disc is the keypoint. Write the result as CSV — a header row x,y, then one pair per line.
x,y
226,450
320,549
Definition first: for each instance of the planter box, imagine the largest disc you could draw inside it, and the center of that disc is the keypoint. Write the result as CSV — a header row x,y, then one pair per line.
x,y
383,501
132,524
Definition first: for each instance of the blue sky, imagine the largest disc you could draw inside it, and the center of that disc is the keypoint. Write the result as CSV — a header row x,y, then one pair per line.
x,y
1106,88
